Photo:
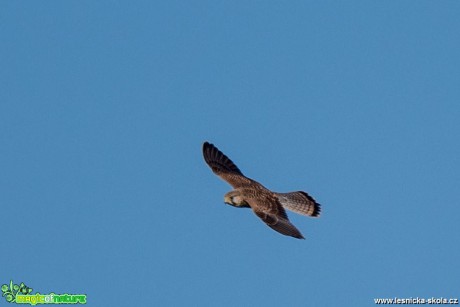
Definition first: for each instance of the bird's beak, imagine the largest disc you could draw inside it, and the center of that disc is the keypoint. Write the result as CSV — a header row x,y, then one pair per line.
x,y
227,200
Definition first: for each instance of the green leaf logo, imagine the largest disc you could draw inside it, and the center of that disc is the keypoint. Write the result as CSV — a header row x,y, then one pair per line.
x,y
10,291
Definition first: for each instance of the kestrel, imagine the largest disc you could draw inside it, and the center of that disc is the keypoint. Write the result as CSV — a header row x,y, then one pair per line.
x,y
266,204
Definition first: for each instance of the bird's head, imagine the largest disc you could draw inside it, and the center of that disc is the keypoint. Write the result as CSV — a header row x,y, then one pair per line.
x,y
235,199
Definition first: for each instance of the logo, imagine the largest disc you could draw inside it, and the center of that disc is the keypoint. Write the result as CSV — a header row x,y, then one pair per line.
x,y
22,294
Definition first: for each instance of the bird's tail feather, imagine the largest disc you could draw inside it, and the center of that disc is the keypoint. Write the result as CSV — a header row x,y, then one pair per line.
x,y
299,202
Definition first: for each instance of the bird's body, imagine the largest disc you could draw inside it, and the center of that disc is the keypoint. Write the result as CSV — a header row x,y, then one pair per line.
x,y
266,204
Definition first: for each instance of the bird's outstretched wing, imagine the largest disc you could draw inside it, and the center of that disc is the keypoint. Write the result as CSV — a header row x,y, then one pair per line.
x,y
281,225
273,214
299,202
223,167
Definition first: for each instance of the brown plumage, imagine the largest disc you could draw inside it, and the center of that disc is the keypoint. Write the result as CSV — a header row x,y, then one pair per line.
x,y
248,193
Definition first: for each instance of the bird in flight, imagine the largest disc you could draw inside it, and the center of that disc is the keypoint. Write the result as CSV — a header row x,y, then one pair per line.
x,y
267,205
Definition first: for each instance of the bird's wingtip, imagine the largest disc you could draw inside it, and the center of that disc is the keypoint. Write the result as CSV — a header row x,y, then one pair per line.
x,y
206,144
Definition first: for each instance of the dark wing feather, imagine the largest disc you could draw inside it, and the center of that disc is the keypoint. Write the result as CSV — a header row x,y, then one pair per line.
x,y
273,214
223,167
299,202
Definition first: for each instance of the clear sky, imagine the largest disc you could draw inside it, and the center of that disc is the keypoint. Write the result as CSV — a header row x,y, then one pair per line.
x,y
104,106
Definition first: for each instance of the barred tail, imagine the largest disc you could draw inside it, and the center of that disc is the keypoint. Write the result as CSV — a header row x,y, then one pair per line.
x,y
300,202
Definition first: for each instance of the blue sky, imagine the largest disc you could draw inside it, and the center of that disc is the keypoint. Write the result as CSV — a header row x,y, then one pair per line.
x,y
105,106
